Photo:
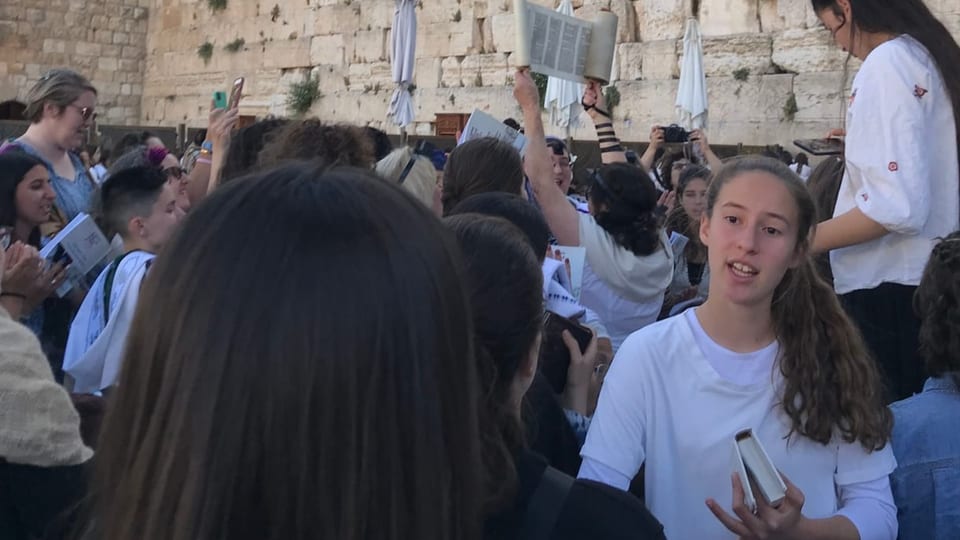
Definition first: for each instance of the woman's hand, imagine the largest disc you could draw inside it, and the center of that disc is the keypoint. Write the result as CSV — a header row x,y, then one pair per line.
x,y
576,393
667,200
22,269
657,137
836,133
525,91
49,280
768,523
220,127
594,101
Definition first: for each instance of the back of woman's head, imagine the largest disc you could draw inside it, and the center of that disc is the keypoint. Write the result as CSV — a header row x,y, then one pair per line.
x,y
481,166
517,211
824,185
914,18
937,303
505,285
14,166
420,179
59,87
831,384
311,139
625,200
300,366
245,146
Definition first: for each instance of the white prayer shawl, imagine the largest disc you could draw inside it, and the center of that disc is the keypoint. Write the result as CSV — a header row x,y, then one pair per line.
x,y
94,352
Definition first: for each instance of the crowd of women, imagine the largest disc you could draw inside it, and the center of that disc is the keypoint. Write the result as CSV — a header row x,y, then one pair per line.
x,y
310,334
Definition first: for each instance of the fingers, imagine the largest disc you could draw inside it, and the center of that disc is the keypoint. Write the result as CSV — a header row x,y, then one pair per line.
x,y
727,520
793,496
740,508
575,355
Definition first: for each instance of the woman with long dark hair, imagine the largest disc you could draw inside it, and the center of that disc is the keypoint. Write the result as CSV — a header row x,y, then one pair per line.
x,y
901,188
244,411
525,498
691,275
770,350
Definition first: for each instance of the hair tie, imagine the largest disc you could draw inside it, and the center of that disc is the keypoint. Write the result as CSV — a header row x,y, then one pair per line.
x,y
155,155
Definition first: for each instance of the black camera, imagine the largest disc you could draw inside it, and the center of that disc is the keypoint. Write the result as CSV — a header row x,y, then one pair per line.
x,y
675,134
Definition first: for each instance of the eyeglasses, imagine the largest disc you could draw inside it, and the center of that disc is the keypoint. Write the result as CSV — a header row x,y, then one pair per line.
x,y
176,172
5,235
85,112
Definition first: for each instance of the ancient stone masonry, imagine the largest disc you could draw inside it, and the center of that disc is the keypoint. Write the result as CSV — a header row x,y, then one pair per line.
x,y
760,56
103,39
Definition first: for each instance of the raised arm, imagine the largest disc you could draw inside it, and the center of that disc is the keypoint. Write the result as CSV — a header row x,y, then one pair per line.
x,y
204,176
650,154
538,166
595,104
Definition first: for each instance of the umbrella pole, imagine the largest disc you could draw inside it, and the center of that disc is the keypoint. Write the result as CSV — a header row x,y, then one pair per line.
x,y
403,135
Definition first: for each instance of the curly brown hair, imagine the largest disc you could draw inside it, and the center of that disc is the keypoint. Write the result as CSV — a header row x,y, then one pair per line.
x,y
311,139
937,303
831,384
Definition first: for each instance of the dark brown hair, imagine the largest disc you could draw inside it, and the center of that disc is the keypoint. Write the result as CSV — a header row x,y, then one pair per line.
x,y
311,139
625,200
319,387
937,303
831,384
824,186
679,221
481,166
505,284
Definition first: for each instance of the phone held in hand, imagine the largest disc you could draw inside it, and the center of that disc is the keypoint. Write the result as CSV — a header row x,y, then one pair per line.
x,y
821,147
554,355
219,100
235,93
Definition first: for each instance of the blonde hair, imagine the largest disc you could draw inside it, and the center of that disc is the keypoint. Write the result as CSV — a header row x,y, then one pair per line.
x,y
420,181
60,87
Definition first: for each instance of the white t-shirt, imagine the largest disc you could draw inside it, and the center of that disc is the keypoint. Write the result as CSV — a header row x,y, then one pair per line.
x,y
902,171
625,290
664,403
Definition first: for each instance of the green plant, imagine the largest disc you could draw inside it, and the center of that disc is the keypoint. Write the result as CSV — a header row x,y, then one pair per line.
x,y
611,95
234,45
205,51
478,80
741,74
790,108
217,5
275,13
457,16
303,94
541,81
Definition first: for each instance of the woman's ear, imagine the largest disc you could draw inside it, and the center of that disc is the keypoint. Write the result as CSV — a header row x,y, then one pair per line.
x,y
705,229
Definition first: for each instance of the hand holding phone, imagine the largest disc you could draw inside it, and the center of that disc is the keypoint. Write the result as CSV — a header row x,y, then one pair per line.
x,y
235,93
554,355
219,100
821,147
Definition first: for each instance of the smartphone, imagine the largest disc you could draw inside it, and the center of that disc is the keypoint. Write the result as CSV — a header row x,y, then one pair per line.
x,y
554,355
219,100
821,147
235,93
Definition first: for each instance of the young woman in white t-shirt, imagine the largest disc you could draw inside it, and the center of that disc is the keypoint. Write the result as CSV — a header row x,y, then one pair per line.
x,y
770,350
900,190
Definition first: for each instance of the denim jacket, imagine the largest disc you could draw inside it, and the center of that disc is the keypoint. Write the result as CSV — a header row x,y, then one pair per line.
x,y
926,442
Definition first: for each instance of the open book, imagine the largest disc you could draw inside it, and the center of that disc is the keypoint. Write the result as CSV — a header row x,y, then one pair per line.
x,y
563,46
481,124
81,246
751,462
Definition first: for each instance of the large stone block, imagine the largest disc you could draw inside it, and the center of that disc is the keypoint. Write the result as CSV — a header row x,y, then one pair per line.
x,y
726,17
760,99
660,60
328,50
370,45
503,29
806,51
822,96
291,53
450,74
378,13
630,61
336,19
661,19
427,72
485,70
723,56
449,38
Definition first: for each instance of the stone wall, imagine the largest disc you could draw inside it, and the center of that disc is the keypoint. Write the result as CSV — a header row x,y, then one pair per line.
x,y
103,39
759,54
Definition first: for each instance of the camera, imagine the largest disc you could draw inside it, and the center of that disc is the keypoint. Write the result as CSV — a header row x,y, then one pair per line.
x,y
675,134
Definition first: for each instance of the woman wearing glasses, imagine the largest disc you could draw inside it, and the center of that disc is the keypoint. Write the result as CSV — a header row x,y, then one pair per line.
x,y
900,189
60,108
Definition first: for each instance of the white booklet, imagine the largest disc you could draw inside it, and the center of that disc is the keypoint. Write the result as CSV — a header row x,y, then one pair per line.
x,y
573,259
562,46
481,124
81,246
751,462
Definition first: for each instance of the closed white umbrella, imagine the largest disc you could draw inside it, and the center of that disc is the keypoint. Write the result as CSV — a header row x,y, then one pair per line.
x,y
691,105
403,58
562,97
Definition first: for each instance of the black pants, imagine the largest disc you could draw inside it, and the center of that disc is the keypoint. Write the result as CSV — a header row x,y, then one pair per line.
x,y
890,327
